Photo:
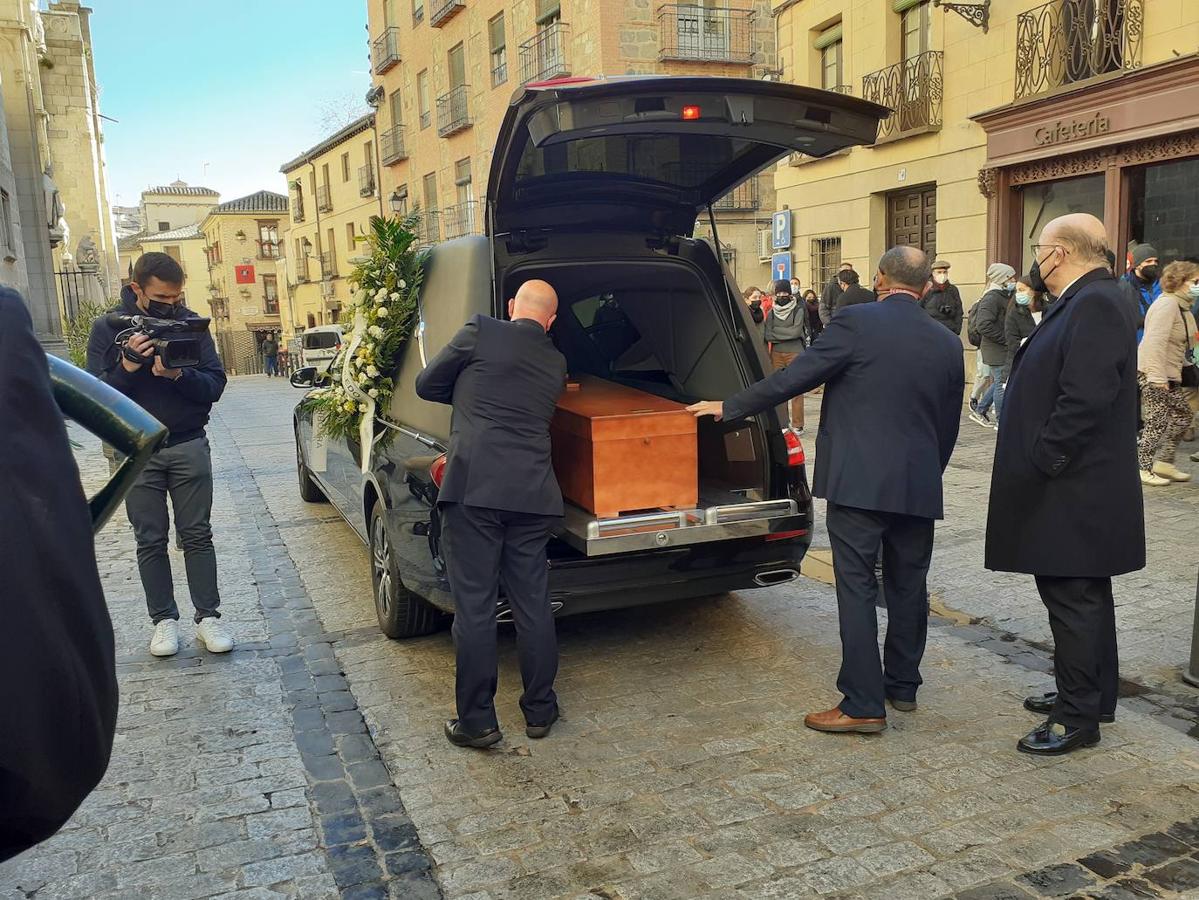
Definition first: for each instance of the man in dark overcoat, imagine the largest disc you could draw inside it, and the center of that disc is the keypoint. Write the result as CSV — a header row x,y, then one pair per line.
x,y
1065,494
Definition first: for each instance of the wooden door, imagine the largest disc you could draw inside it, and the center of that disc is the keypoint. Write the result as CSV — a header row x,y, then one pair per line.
x,y
912,219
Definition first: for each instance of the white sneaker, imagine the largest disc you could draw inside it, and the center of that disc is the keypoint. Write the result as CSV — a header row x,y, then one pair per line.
x,y
1150,480
214,636
1170,471
166,638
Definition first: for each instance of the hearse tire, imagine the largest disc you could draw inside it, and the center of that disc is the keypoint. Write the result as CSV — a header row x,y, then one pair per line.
x,y
401,613
310,492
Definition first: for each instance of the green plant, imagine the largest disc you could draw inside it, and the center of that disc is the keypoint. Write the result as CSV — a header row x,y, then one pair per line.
x,y
79,329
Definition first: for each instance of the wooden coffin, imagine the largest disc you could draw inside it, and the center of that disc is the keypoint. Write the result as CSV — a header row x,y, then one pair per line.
x,y
618,450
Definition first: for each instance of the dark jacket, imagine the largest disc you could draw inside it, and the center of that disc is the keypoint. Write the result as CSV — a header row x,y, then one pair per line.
x,y
183,405
1140,297
1017,325
828,297
503,380
789,333
851,296
58,687
887,427
815,323
944,303
270,347
992,311
1066,456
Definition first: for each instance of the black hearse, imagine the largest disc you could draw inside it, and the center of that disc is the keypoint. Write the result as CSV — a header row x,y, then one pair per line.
x,y
595,186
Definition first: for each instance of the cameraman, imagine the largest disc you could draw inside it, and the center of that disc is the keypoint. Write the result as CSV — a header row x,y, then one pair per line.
x,y
181,399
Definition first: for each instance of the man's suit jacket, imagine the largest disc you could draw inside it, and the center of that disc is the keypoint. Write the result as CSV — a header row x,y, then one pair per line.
x,y
503,380
1065,494
58,684
853,295
892,405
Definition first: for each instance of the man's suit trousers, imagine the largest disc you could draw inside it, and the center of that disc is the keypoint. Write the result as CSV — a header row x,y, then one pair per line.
x,y
487,548
1082,616
907,547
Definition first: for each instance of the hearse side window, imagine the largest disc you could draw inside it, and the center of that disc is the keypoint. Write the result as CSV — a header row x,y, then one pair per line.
x,y
320,340
614,336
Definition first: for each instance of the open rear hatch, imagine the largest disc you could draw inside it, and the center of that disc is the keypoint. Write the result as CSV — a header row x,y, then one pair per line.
x,y
647,154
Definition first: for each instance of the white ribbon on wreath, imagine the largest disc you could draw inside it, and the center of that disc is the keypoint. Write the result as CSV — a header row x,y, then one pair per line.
x,y
366,427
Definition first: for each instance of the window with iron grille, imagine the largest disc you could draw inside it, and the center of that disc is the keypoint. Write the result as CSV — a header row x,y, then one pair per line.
x,y
499,50
826,259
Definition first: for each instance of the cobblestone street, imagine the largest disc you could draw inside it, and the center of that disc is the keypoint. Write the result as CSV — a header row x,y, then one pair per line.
x,y
310,762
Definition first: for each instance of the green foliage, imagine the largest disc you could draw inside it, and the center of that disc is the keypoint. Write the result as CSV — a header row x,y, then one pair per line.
x,y
386,285
79,329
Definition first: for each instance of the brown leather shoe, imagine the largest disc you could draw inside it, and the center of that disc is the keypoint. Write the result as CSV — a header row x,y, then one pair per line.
x,y
836,721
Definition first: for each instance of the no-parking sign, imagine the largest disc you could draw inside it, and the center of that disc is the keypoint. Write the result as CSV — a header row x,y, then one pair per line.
x,y
780,267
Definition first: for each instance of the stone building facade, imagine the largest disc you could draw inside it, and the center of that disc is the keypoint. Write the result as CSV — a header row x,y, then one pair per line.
x,y
175,205
445,70
242,243
60,206
334,189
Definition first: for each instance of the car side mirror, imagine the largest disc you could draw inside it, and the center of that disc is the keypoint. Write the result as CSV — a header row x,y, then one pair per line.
x,y
304,378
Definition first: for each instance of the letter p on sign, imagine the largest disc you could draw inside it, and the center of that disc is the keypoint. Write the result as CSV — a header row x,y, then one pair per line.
x,y
780,232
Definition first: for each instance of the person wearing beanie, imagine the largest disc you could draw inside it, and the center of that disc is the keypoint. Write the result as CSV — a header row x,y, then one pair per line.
x,y
1140,285
942,300
992,352
786,333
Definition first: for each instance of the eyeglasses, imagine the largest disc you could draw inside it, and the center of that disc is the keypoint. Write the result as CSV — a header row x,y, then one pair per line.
x,y
1037,248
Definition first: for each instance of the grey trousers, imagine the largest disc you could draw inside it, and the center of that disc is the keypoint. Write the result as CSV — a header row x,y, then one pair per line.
x,y
185,472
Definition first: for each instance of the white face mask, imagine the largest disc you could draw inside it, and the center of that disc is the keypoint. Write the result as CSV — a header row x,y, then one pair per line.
x,y
940,277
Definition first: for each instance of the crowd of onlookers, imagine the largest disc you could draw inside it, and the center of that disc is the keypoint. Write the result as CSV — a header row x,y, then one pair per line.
x,y
1166,300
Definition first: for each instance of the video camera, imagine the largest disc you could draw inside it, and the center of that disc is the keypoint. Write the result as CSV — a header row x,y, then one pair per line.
x,y
176,341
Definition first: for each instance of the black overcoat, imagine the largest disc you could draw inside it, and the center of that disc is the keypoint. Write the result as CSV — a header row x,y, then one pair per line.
x,y
1065,493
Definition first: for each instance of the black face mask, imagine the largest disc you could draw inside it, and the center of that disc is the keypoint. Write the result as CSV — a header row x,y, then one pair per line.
x,y
1149,274
1036,280
159,310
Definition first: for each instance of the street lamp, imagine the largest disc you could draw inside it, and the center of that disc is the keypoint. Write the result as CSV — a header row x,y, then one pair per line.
x,y
397,202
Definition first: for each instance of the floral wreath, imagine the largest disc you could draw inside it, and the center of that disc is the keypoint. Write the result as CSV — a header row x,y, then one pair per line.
x,y
386,285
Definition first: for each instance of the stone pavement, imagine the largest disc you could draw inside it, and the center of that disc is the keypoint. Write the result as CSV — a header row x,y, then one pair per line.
x,y
310,762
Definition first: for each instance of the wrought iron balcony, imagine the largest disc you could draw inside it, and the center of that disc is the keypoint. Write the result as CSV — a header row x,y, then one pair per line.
x,y
324,201
705,34
441,11
463,219
1066,42
742,197
841,89
543,56
391,145
297,208
268,249
453,111
428,226
366,181
913,90
385,50
302,270
328,264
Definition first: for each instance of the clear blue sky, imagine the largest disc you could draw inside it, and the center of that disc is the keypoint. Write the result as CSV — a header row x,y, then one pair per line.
x,y
239,85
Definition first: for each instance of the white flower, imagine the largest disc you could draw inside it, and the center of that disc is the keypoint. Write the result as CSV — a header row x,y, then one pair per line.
x,y
375,331
372,371
362,379
403,284
362,407
381,312
372,393
395,297
381,293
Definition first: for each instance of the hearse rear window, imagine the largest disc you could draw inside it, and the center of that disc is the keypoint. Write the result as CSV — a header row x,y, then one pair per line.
x,y
320,340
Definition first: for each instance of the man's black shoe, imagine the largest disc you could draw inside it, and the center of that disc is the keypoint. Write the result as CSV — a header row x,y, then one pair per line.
x,y
537,731
1043,703
902,705
460,737
1054,739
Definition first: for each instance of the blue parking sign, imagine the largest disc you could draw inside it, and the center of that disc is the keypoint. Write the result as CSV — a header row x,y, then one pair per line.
x,y
780,267
780,231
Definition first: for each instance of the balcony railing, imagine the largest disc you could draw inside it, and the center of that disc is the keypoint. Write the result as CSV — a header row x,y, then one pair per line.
x,y
428,226
453,111
324,202
441,11
385,50
913,90
744,196
366,181
268,249
1068,41
463,219
705,34
302,270
841,89
328,264
391,145
297,208
499,73
543,56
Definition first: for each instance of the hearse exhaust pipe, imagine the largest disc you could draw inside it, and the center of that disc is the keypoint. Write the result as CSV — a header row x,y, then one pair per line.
x,y
775,577
503,612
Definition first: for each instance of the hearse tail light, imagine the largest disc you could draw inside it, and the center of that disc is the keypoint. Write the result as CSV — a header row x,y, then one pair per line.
x,y
437,470
690,113
795,455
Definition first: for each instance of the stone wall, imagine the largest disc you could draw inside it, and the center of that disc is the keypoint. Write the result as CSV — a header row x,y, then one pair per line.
x,y
13,273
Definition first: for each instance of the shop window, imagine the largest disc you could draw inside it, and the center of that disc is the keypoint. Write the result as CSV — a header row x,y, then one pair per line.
x,y
1164,208
1047,200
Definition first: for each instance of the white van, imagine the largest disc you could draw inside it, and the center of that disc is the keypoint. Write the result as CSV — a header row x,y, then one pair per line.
x,y
319,344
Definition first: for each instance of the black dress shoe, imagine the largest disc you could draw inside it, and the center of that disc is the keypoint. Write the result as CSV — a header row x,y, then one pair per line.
x,y
1054,739
902,705
460,737
536,730
1043,703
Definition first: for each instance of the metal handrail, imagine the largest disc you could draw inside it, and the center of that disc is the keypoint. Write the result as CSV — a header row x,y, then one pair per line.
x,y
385,50
543,56
1062,43
705,33
453,110
913,89
391,145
